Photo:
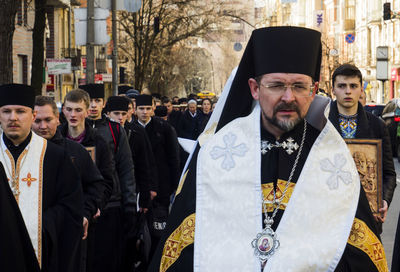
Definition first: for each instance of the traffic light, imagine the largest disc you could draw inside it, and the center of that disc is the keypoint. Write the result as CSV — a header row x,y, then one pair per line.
x,y
386,11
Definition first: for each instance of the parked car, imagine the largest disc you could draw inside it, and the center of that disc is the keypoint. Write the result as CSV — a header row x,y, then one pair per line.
x,y
391,116
375,109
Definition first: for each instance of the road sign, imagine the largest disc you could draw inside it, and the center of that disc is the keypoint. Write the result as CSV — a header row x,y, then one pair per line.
x,y
58,66
350,38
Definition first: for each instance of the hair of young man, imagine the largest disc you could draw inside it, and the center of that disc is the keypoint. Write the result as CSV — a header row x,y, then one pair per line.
x,y
41,101
165,100
347,70
77,96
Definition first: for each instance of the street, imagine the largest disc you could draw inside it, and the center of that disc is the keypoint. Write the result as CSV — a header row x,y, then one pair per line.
x,y
389,227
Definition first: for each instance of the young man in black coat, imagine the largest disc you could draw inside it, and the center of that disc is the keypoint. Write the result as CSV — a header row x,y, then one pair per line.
x,y
96,185
122,204
142,156
352,121
104,250
45,184
165,149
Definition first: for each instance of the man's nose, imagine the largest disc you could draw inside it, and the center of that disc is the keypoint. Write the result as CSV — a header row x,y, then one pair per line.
x,y
42,125
13,115
288,95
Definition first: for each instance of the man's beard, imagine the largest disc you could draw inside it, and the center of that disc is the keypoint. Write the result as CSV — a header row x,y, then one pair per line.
x,y
284,125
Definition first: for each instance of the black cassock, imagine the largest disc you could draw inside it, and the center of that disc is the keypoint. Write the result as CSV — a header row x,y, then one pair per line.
x,y
62,210
280,164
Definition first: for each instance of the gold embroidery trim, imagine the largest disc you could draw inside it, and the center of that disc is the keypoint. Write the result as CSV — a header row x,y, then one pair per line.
x,y
177,241
40,202
364,239
268,193
180,186
207,134
13,174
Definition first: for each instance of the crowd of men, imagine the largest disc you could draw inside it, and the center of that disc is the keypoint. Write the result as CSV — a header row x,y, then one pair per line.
x,y
90,188
123,157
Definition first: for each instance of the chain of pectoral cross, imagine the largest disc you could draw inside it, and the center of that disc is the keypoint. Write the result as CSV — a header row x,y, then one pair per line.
x,y
288,145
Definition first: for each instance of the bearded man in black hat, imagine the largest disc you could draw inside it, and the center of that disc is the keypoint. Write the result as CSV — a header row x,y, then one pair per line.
x,y
270,167
44,182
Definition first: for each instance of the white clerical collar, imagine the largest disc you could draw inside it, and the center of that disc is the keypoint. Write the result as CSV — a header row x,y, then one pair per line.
x,y
144,124
193,114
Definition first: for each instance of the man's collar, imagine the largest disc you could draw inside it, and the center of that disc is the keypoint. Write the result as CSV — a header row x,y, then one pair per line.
x,y
144,124
10,145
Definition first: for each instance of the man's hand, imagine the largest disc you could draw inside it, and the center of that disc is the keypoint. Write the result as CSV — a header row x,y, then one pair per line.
x,y
97,214
144,210
85,228
153,194
383,213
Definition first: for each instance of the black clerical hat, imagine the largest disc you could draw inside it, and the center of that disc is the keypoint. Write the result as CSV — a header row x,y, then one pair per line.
x,y
17,94
132,93
122,89
284,49
117,103
161,111
144,100
94,90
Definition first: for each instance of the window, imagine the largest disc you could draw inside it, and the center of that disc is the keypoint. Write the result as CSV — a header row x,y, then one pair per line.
x,y
23,69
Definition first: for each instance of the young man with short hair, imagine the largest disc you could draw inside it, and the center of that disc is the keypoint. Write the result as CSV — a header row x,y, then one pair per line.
x,y
165,149
352,121
94,184
123,197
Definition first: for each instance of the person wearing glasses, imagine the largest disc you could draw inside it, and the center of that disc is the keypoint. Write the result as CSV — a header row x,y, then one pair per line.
x,y
269,166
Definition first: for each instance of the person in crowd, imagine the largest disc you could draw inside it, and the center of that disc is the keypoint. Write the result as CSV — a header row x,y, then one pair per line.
x,y
164,144
204,114
188,126
271,169
142,156
118,215
131,94
161,112
43,181
182,104
363,98
351,120
96,185
173,116
175,99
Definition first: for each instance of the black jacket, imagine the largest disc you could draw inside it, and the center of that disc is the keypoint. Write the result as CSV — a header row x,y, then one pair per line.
x,y
371,127
164,144
103,161
94,186
188,126
124,190
142,156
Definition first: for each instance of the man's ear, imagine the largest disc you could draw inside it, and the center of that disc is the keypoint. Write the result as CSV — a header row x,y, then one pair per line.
x,y
254,88
316,85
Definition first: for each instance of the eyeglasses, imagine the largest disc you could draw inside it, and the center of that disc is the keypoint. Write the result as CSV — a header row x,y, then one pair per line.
x,y
298,89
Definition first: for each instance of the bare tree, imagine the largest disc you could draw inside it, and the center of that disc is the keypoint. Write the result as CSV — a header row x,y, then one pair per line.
x,y
8,10
151,38
38,45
